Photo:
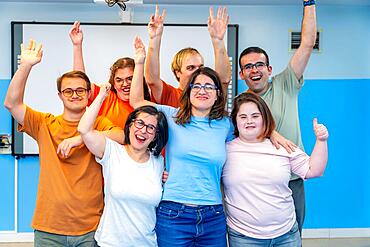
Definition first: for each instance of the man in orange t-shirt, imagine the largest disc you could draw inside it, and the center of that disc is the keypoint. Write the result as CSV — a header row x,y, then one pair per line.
x,y
70,195
187,60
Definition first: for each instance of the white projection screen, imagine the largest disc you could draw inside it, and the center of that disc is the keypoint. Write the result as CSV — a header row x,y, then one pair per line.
x,y
103,44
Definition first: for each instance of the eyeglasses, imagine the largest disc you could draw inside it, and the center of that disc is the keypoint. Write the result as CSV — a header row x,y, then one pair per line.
x,y
128,80
207,87
150,129
259,66
80,91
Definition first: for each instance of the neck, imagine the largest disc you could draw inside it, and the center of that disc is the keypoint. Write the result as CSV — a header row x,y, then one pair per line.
x,y
200,113
72,116
251,140
139,156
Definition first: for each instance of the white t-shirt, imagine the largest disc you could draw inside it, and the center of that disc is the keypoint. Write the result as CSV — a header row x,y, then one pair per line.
x,y
132,192
258,201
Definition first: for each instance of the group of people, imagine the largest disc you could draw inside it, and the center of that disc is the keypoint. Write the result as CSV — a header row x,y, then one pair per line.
x,y
103,179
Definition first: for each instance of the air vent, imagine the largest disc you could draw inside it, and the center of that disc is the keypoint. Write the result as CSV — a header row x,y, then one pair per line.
x,y
295,41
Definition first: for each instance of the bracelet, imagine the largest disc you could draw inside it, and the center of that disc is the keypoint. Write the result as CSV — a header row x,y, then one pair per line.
x,y
308,3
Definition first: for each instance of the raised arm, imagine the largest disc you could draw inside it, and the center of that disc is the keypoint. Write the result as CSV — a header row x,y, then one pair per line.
x,y
93,139
76,36
308,37
30,56
152,65
217,26
137,90
319,156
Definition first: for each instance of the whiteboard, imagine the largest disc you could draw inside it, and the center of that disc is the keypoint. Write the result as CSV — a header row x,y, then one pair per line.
x,y
103,44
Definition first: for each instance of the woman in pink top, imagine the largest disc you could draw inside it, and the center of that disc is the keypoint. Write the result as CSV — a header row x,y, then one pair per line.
x,y
259,204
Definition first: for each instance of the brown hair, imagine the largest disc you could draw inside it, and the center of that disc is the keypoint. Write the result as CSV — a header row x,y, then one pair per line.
x,y
74,74
121,63
218,109
178,59
268,119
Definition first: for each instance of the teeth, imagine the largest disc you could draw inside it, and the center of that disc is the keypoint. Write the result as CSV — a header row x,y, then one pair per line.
x,y
141,138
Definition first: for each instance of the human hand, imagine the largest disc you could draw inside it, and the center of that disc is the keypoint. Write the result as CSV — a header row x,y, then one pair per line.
x,y
217,25
76,34
66,145
164,176
278,140
104,90
139,51
31,54
155,25
320,130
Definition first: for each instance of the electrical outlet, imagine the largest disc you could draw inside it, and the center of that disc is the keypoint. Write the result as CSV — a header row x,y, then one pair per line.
x,y
5,144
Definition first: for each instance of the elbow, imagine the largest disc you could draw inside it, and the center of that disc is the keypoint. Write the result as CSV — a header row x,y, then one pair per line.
x,y
9,105
81,130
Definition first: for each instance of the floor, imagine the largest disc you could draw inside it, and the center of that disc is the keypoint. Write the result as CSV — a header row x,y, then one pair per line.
x,y
337,242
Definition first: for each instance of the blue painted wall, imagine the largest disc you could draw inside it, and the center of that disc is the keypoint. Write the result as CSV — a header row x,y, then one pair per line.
x,y
340,199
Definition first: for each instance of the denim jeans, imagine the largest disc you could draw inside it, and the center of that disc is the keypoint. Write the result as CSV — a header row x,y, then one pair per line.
x,y
297,187
289,239
182,225
46,239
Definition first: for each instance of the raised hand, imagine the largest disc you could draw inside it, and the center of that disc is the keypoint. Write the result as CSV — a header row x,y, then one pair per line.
x,y
31,54
320,130
76,34
217,25
139,51
104,90
155,25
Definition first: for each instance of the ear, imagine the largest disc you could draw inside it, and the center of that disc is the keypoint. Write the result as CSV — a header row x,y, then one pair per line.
x,y
269,69
241,75
178,73
60,96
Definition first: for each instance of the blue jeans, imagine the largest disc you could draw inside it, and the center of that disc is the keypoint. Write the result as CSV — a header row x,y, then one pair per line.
x,y
43,239
297,187
289,239
181,225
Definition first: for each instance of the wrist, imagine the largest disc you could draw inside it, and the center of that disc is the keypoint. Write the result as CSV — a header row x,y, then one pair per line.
x,y
308,3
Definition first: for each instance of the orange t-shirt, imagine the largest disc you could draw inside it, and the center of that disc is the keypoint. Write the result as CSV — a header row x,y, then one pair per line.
x,y
113,108
170,95
70,193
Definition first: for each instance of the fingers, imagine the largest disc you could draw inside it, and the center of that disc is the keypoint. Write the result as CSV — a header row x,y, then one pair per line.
x,y
314,121
156,11
211,13
164,13
275,143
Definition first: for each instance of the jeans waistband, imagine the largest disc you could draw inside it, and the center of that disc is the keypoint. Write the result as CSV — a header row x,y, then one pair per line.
x,y
184,206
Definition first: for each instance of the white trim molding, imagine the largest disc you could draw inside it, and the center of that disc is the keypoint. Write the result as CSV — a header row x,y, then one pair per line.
x,y
336,233
13,237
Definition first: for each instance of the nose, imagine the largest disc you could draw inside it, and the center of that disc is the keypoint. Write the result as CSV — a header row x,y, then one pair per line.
x,y
74,95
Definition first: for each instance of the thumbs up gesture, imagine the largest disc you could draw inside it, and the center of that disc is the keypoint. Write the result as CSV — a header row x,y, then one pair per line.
x,y
320,130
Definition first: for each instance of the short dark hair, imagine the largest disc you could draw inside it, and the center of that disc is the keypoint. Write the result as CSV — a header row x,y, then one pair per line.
x,y
268,119
73,74
122,63
218,109
161,135
253,49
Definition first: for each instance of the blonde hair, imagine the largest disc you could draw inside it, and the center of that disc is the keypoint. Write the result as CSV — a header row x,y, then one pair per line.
x,y
178,59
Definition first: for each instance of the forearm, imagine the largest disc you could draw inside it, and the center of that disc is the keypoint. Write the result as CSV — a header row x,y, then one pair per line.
x,y
16,88
78,62
222,63
137,90
87,121
318,159
152,63
308,38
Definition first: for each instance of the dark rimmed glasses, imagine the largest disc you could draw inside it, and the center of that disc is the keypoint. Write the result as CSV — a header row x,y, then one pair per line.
x,y
80,91
208,87
150,129
259,66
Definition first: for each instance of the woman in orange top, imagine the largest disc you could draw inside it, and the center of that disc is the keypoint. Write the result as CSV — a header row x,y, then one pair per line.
x,y
116,106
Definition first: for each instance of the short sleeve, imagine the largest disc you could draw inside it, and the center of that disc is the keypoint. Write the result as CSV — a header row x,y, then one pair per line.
x,y
32,122
299,162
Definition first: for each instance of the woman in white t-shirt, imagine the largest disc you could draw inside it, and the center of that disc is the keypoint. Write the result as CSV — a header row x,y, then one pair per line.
x,y
258,201
132,174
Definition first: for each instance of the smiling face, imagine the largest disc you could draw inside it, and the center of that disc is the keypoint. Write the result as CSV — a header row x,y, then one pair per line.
x,y
74,103
257,77
249,122
139,136
202,99
122,82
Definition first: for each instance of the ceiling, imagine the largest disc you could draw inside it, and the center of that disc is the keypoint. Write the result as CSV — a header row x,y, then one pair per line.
x,y
212,2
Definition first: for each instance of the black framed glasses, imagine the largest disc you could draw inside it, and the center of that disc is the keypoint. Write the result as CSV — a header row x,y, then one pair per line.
x,y
208,87
259,66
80,91
150,129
